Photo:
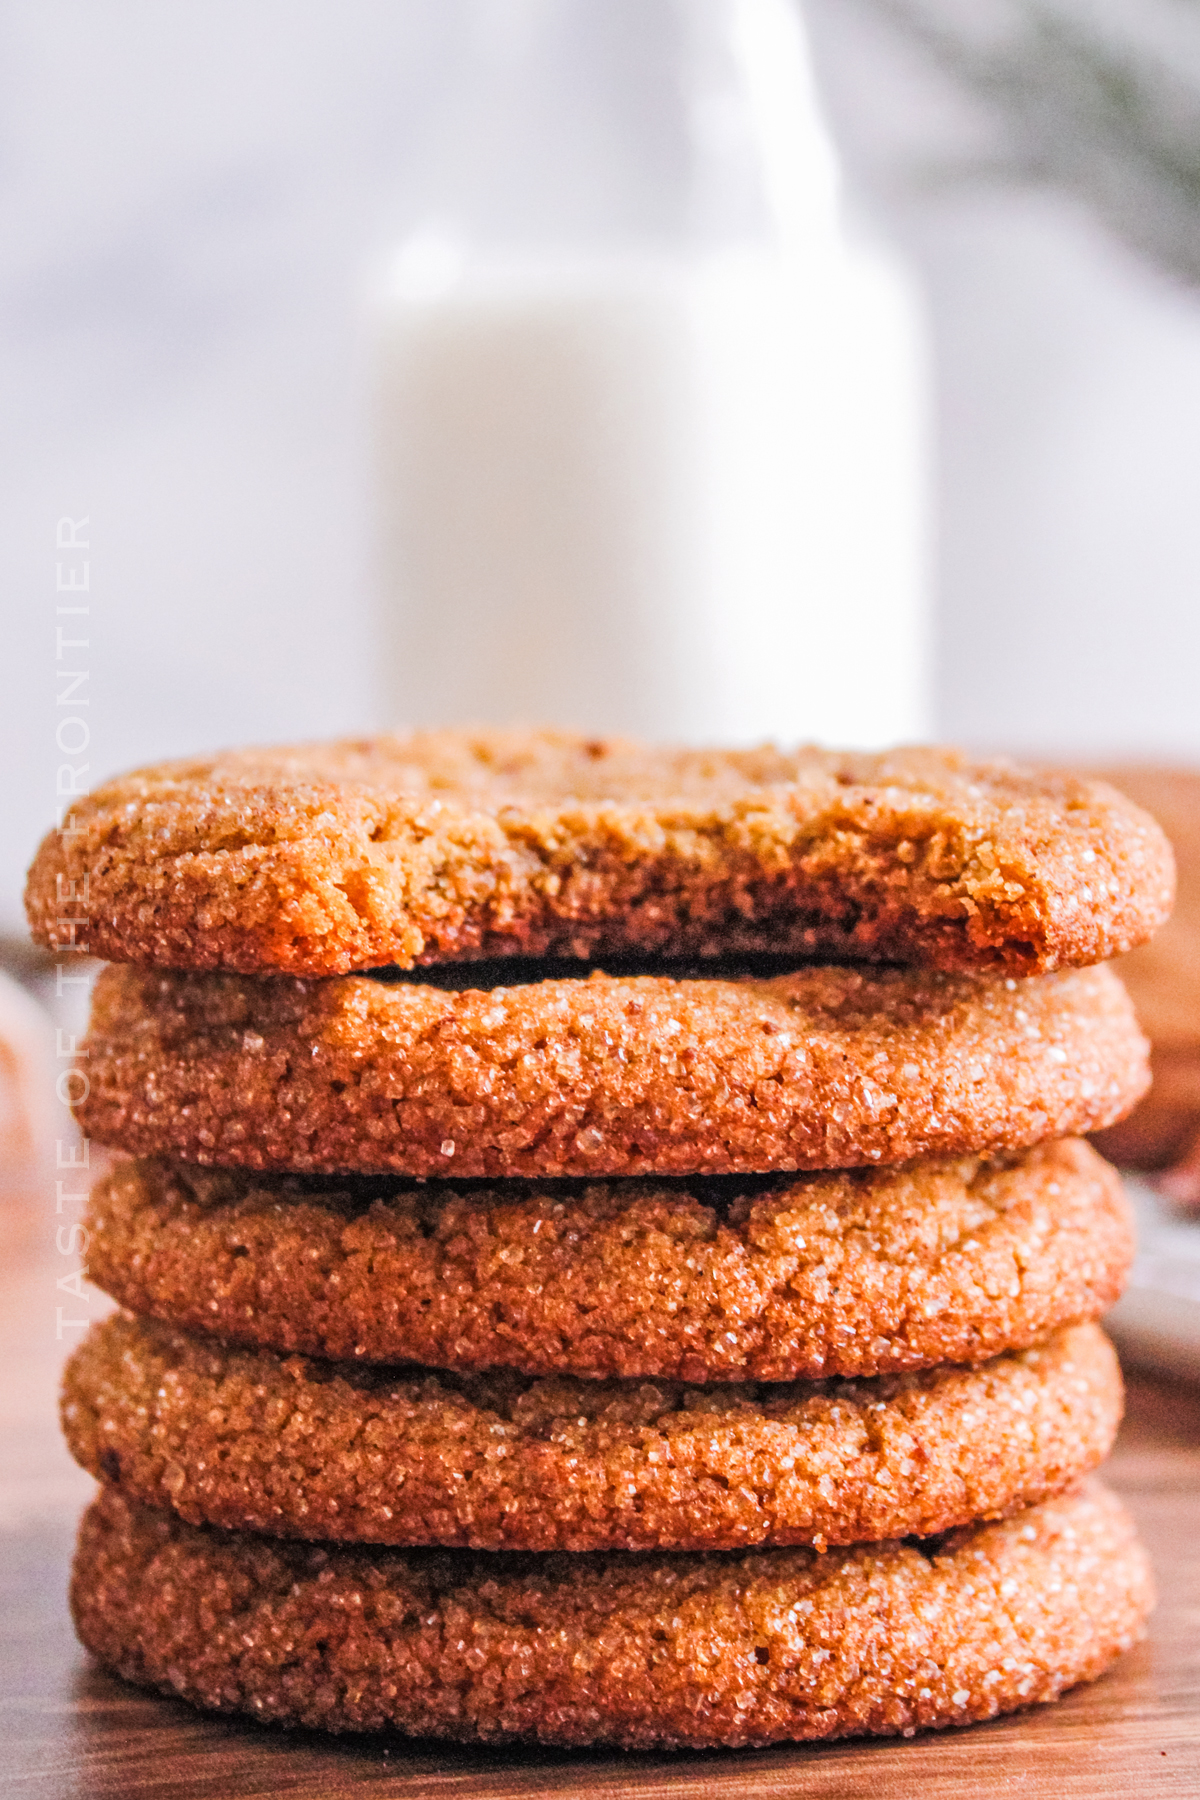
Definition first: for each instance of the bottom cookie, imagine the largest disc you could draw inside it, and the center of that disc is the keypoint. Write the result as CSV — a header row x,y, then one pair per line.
x,y
640,1650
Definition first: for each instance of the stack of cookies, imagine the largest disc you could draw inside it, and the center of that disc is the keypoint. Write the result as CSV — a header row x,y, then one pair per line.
x,y
610,1254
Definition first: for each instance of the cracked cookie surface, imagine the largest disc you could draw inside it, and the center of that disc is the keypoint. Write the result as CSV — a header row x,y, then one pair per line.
x,y
612,1075
301,1449
858,1273
647,1651
321,859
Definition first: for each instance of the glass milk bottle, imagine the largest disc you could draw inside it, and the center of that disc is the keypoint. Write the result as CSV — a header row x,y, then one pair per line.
x,y
649,424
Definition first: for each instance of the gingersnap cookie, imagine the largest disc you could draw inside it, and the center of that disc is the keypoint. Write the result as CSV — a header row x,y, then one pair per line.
x,y
733,1279
257,1442
613,1075
324,858
648,1651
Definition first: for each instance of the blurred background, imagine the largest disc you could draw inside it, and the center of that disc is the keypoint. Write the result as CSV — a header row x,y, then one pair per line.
x,y
202,209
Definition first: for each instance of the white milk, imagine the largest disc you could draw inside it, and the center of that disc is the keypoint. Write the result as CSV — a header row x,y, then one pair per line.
x,y
671,496
676,491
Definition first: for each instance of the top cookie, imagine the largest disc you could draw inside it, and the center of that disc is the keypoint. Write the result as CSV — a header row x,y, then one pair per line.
x,y
445,846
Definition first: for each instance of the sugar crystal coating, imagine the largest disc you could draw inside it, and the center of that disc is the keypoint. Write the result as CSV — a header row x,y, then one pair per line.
x,y
642,1650
614,1075
927,1238
856,1273
295,1448
320,859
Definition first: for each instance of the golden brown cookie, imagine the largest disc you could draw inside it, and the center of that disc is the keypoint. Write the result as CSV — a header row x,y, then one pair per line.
x,y
646,1651
256,1442
323,858
848,1274
614,1075
1164,984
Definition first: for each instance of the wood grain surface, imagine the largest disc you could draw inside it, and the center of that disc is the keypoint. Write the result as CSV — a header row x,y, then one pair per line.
x,y
69,1732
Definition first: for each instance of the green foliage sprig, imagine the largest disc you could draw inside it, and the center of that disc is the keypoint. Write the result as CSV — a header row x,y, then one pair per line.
x,y
1096,113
